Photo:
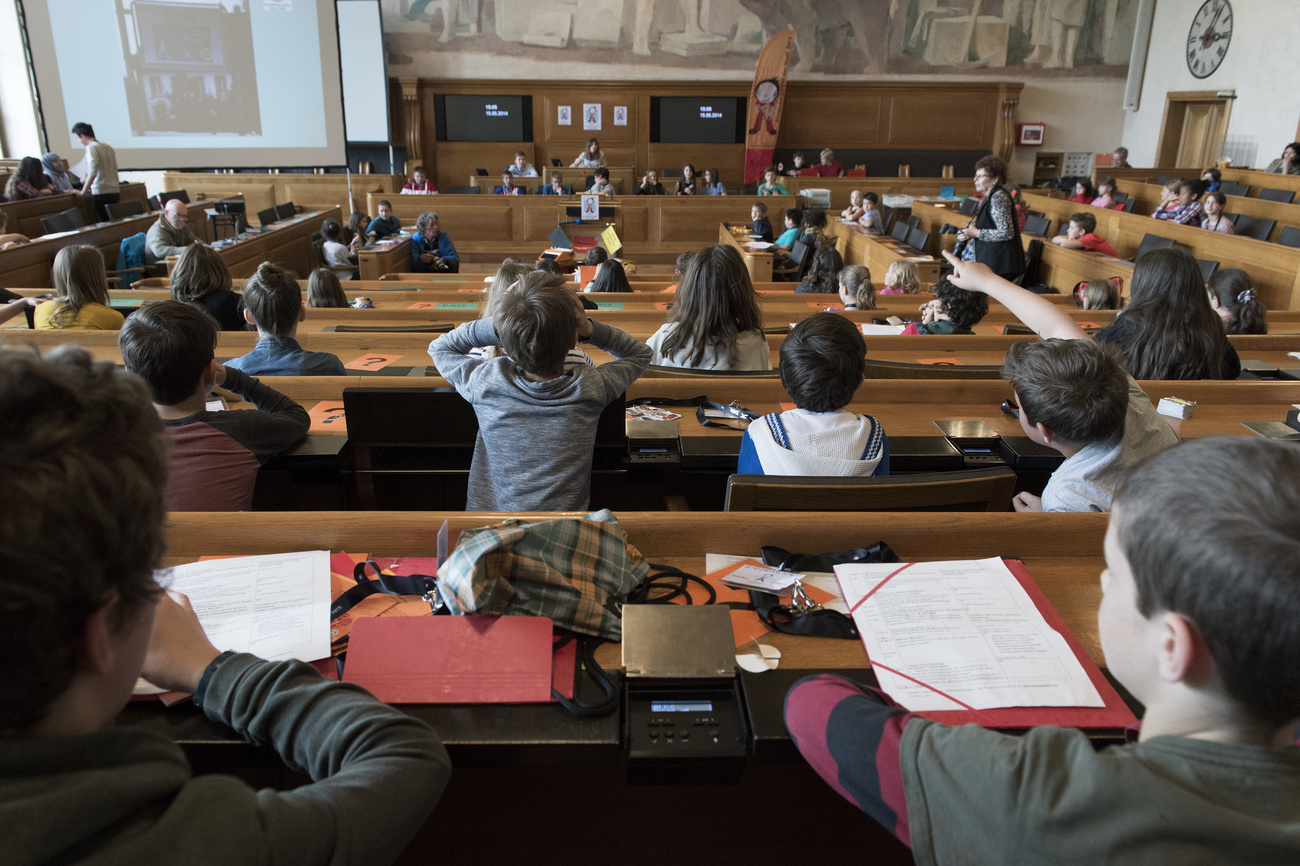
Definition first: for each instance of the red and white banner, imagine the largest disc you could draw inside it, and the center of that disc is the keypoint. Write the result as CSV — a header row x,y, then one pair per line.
x,y
765,101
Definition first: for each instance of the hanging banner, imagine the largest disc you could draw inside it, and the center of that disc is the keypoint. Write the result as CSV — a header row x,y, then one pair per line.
x,y
765,101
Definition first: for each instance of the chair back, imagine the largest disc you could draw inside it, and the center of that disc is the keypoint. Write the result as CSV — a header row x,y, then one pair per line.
x,y
267,216
286,211
1207,268
164,197
900,230
55,223
1283,195
963,490
1289,236
1037,225
117,210
1152,242
73,217
465,190
1252,227
969,205
918,240
1232,187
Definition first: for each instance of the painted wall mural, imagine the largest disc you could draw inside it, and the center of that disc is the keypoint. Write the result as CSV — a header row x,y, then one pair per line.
x,y
840,39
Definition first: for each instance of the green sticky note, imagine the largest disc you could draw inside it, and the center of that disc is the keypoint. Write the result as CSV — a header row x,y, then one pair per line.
x,y
118,303
609,305
456,306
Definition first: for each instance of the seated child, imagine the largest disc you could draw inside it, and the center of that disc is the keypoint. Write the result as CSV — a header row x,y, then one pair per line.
x,y
855,210
507,275
1214,219
273,302
335,251
85,455
823,359
793,231
1099,295
384,225
1197,620
762,225
507,186
557,186
537,420
1233,297
1075,397
1185,209
80,301
1105,193
1080,236
1082,193
856,289
901,278
600,184
323,289
683,262
823,275
952,311
215,455
871,218
521,167
419,184
771,184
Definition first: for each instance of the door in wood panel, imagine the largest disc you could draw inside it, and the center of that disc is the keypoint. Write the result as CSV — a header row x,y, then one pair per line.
x,y
1193,129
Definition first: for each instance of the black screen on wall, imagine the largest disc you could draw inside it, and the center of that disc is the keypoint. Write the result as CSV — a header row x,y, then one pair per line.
x,y
484,118
697,119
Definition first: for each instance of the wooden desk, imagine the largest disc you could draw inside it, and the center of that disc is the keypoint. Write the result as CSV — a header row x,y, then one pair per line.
x,y
1285,215
29,265
877,252
386,257
307,191
757,262
288,243
25,214
624,179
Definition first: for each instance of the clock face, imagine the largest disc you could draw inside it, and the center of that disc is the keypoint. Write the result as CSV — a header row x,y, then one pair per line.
x,y
1207,41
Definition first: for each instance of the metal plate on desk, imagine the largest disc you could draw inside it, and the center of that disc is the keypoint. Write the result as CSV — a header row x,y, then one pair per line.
x,y
1272,430
966,430
675,642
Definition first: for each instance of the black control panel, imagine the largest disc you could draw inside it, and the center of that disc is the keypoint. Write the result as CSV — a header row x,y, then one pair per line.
x,y
683,734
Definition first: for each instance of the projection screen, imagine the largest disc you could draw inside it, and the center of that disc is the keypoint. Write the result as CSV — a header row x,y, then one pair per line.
x,y
191,83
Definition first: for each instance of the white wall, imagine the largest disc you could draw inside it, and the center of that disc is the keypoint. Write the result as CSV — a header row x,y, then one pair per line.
x,y
1080,114
1259,65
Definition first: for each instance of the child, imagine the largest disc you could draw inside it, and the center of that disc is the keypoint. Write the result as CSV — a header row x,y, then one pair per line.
x,y
1100,295
1197,620
952,311
1082,193
510,273
85,454
324,290
713,184
1105,193
762,225
650,184
557,186
201,277
610,277
384,225
771,184
507,186
1184,209
335,253
273,302
855,210
419,184
1214,220
1074,397
871,218
814,227
901,278
1080,236
521,167
856,289
679,268
824,275
537,421
1212,178
600,184
80,299
797,165
591,157
716,323
823,359
215,455
1232,295
829,165
793,231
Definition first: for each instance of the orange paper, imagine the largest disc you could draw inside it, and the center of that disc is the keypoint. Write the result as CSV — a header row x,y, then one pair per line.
x,y
327,416
424,305
823,305
942,361
372,361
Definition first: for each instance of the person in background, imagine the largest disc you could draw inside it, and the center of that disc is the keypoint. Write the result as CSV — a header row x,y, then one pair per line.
x,y
591,157
1212,177
713,184
1168,198
10,239
855,210
1080,236
1100,295
354,233
56,169
385,225
824,275
507,186
610,277
325,290
507,277
1120,157
1214,220
1082,193
201,277
28,181
600,183
829,165
871,220
679,268
797,164
101,170
419,184
687,182
1022,212
431,250
1186,210
80,299
650,184
771,184
856,289
762,227
793,229
557,186
901,278
952,311
171,234
1105,193
994,235
1233,297
1288,162
335,253
521,167
273,302
814,227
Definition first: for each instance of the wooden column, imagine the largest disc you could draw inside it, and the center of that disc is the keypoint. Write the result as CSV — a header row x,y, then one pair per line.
x,y
411,101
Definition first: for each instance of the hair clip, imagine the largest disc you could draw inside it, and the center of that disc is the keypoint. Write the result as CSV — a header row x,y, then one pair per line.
x,y
1248,295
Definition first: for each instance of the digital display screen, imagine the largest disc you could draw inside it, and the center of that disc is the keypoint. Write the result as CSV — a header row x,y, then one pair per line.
x,y
483,118
697,119
681,706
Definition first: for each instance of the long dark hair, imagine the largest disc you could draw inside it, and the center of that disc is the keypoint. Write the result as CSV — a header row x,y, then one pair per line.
x,y
610,277
1235,292
715,304
1177,333
824,275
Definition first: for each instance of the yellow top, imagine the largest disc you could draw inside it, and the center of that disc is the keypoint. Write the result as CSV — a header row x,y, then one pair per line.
x,y
92,317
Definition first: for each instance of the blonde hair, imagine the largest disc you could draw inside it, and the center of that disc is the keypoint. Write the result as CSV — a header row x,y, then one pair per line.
x,y
199,272
827,153
1100,295
79,279
507,275
902,275
857,280
325,290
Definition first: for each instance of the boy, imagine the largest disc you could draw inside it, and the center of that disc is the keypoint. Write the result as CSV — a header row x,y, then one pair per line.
x,y
1074,396
419,184
1079,236
557,186
872,220
385,225
507,186
953,311
215,455
823,360
537,421
1200,601
336,255
521,167
762,225
86,456
273,302
793,230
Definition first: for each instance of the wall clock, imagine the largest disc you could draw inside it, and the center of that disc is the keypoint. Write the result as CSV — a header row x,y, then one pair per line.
x,y
1208,38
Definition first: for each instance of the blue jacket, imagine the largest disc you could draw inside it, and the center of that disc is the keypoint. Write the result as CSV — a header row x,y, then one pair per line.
x,y
384,227
441,244
547,189
275,356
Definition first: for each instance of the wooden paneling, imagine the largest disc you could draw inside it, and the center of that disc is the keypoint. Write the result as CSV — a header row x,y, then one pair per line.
x,y
25,214
938,120
308,191
857,119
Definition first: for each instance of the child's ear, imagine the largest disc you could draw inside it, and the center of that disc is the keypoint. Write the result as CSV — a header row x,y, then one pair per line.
x,y
248,316
302,314
1184,657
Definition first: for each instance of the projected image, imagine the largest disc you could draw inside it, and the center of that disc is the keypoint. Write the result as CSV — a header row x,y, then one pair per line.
x,y
181,69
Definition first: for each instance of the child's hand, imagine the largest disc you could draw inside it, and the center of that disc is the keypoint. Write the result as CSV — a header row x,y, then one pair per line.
x,y
179,650
971,276
930,312
1027,502
584,324
221,373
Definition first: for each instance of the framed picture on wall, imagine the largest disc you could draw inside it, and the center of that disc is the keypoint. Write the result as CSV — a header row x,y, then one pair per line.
x,y
620,115
591,116
565,116
1030,134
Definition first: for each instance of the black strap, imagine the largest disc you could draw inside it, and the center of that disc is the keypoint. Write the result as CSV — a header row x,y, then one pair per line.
x,y
732,411
586,658
779,557
392,584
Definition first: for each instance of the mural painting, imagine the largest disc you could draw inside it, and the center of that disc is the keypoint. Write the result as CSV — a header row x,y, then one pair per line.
x,y
680,38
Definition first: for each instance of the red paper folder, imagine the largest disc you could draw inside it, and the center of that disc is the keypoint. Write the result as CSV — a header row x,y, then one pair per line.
x,y
452,659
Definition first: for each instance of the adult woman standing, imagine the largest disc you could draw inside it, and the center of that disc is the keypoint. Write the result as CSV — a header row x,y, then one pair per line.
x,y
993,238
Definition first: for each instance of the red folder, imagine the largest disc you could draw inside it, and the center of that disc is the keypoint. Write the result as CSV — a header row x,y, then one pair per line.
x,y
453,659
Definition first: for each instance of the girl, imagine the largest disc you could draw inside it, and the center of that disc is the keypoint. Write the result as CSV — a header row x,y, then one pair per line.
x,y
1168,199
335,253
814,223
56,170
1022,213
591,157
1232,295
610,277
856,289
80,301
824,275
324,289
1214,220
201,277
715,323
1170,331
1082,193
771,184
1105,191
901,279
713,183
686,186
855,210
28,181
1185,209
1100,295
354,233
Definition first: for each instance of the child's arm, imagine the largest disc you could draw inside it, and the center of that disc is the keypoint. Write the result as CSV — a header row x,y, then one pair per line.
x,y
631,356
16,308
450,352
1068,243
279,421
851,738
1047,319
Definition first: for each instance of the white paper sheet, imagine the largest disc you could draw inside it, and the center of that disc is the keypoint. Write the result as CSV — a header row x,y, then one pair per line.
x,y
967,629
275,606
870,329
